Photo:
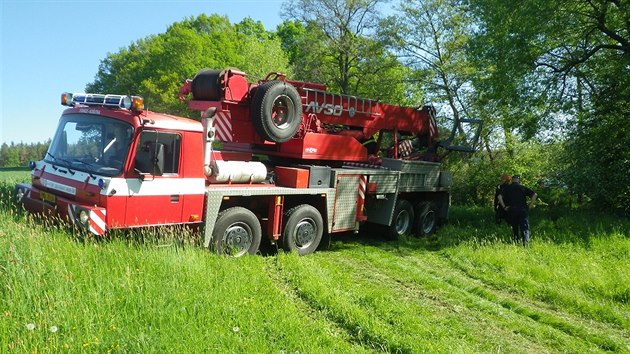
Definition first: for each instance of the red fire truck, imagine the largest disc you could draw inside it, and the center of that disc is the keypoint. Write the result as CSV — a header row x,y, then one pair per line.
x,y
278,159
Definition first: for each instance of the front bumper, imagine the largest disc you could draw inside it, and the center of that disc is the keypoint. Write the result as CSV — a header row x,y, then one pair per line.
x,y
90,218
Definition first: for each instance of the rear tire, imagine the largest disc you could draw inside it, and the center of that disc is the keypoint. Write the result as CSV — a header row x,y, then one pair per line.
x,y
426,223
205,85
276,111
402,221
236,233
303,229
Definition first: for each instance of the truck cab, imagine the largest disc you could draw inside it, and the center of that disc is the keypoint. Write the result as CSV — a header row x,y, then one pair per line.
x,y
112,164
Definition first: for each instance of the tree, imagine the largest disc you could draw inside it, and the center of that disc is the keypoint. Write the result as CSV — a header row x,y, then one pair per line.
x,y
542,55
597,157
431,36
289,32
564,61
20,154
336,42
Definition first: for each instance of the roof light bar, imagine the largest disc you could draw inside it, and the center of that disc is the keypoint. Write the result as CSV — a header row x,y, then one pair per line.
x,y
135,103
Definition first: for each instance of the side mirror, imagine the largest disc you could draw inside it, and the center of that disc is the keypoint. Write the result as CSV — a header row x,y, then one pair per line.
x,y
157,158
150,160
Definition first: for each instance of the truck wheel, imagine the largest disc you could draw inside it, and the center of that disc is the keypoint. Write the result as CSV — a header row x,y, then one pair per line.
x,y
237,232
427,219
402,222
276,111
303,229
205,85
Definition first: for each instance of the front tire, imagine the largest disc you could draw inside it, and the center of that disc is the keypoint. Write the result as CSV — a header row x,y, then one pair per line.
x,y
236,233
303,229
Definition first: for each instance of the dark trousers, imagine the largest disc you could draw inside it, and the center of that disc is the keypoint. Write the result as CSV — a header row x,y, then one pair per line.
x,y
499,214
519,219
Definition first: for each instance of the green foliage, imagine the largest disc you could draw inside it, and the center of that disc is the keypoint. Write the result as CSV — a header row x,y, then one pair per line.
x,y
156,66
20,154
475,178
548,64
337,43
597,154
289,32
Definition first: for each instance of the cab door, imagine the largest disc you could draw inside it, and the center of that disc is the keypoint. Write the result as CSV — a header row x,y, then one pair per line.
x,y
155,194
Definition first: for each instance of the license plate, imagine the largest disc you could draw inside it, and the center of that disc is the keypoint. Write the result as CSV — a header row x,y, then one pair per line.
x,y
47,197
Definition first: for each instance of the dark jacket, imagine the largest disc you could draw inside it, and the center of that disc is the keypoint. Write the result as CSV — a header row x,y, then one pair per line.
x,y
515,195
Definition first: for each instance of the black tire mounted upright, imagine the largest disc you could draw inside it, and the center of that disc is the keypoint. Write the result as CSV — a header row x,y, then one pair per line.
x,y
237,232
303,229
402,221
276,111
205,85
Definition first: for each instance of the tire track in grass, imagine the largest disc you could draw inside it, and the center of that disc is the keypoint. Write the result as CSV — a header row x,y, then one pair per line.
x,y
495,332
543,312
312,310
525,309
432,330
616,325
328,290
600,335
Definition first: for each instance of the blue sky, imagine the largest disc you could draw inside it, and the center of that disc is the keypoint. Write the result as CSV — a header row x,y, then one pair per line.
x,y
51,46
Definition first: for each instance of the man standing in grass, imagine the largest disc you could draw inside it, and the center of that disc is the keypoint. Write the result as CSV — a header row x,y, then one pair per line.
x,y
513,199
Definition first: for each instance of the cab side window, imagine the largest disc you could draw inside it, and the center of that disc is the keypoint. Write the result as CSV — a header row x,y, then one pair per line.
x,y
158,153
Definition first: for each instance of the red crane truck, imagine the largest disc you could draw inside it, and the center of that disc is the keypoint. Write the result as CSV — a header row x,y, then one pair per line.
x,y
295,165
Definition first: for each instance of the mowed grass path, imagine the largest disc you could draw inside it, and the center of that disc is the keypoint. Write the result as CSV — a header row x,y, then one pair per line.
x,y
466,290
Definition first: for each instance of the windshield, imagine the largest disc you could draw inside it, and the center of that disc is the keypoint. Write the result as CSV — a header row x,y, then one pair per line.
x,y
89,143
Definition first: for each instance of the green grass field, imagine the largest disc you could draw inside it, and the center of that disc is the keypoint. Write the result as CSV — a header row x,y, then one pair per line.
x,y
468,289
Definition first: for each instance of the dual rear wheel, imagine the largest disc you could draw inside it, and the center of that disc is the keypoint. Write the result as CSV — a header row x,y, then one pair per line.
x,y
419,220
237,231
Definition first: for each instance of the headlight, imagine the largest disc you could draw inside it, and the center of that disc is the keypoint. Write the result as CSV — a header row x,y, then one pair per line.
x,y
19,194
84,217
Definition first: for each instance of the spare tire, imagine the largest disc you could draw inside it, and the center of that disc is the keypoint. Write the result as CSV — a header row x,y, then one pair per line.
x,y
205,85
276,111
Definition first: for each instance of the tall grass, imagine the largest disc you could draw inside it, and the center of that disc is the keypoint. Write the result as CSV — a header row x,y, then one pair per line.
x,y
466,289
113,296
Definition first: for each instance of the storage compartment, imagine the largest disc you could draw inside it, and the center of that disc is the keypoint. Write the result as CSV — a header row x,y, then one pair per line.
x,y
292,177
319,176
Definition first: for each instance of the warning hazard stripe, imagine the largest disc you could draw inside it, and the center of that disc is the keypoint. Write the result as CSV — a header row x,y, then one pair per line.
x,y
361,199
97,221
362,187
223,126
